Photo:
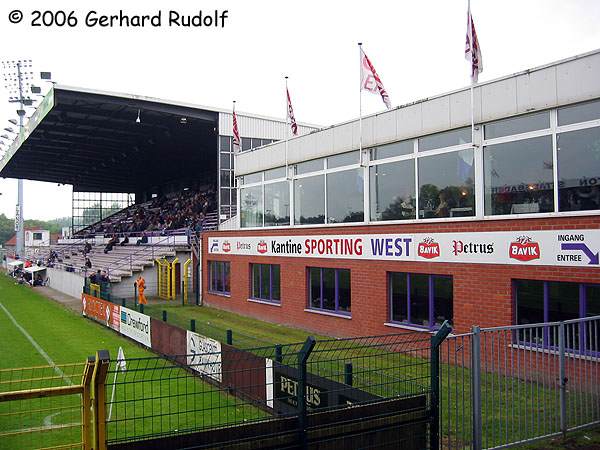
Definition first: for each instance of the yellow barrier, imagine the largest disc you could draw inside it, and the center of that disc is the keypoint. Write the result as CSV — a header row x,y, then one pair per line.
x,y
186,278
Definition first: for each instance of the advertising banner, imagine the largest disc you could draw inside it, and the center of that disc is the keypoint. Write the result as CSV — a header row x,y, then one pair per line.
x,y
101,311
136,326
573,248
204,355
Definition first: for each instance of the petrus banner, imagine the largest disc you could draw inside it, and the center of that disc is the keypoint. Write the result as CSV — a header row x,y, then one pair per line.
x,y
551,248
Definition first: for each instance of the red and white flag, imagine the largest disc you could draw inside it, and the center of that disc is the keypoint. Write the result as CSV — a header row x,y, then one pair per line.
x,y
472,49
236,133
290,114
370,81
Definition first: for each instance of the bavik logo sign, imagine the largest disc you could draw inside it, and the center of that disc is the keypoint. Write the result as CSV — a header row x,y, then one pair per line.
x,y
262,247
524,249
428,248
226,246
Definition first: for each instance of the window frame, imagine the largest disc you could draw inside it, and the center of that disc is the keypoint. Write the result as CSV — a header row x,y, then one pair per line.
x,y
212,278
321,309
275,301
546,345
430,301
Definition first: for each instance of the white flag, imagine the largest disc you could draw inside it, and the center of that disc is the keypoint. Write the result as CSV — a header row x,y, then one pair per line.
x,y
370,81
472,49
121,360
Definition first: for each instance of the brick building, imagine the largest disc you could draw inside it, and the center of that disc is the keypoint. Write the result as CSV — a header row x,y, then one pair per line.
x,y
425,218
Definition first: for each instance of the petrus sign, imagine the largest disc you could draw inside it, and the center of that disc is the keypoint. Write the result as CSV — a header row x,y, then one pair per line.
x,y
555,248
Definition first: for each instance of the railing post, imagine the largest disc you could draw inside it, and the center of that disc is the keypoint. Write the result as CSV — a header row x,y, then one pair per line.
x,y
87,428
192,324
563,379
436,341
142,308
135,296
124,302
164,315
303,355
348,374
182,293
477,432
278,353
229,337
99,391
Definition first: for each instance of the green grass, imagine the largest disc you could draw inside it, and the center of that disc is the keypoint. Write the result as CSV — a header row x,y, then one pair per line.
x,y
177,399
581,440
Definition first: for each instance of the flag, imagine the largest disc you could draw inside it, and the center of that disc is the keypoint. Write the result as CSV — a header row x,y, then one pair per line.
x,y
236,133
472,49
290,114
370,81
121,365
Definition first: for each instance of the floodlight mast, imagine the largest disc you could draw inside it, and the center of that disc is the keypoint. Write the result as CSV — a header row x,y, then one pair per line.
x,y
8,65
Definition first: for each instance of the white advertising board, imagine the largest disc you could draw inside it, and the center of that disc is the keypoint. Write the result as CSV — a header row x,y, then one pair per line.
x,y
204,355
136,326
574,248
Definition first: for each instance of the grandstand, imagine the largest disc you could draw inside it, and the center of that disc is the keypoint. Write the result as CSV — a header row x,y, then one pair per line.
x,y
142,169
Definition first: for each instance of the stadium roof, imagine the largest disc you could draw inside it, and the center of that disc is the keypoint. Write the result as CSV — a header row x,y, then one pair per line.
x,y
91,139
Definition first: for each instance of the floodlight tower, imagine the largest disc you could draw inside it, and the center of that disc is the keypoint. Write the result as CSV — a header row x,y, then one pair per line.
x,y
18,76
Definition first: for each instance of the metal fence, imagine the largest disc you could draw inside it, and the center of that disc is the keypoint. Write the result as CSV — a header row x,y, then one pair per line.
x,y
292,393
508,385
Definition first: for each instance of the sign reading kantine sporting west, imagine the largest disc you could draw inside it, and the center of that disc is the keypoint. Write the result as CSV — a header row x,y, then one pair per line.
x,y
551,248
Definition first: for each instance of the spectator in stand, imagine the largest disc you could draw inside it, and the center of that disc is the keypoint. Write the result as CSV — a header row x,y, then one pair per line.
x,y
104,277
125,241
113,241
95,277
143,239
88,263
87,248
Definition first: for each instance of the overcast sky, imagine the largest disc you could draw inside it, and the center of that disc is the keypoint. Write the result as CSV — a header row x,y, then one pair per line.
x,y
416,47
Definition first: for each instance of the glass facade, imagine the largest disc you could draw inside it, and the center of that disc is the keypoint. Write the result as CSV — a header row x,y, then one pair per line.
x,y
538,163
447,185
519,177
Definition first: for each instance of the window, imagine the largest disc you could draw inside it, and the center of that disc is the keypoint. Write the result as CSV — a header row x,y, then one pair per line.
x,y
251,204
579,170
277,204
445,139
393,149
345,198
219,277
392,191
273,174
309,166
447,185
582,112
225,143
345,159
253,178
265,282
517,125
419,299
309,200
550,301
246,144
225,161
37,236
329,289
518,177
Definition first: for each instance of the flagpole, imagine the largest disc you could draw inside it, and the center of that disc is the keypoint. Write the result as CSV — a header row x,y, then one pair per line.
x,y
470,31
287,126
360,99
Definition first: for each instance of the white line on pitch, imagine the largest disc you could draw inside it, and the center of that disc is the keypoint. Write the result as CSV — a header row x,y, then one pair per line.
x,y
37,346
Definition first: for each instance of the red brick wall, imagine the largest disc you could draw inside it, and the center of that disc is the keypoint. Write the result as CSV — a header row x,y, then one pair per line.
x,y
482,292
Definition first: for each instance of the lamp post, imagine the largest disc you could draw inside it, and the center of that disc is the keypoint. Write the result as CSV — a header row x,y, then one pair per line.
x,y
18,76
